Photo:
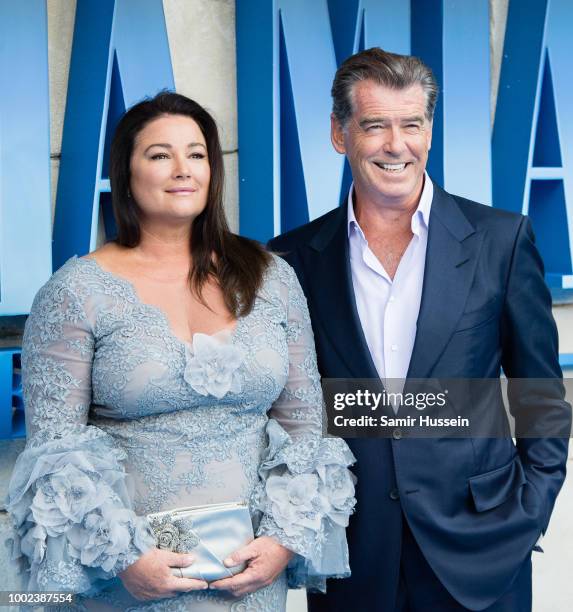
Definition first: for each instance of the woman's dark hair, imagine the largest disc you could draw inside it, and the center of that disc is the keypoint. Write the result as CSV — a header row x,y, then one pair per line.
x,y
236,263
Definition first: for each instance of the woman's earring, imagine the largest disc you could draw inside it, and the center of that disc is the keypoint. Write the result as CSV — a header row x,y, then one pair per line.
x,y
129,194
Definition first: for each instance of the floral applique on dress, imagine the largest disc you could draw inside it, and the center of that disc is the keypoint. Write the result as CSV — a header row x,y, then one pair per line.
x,y
212,364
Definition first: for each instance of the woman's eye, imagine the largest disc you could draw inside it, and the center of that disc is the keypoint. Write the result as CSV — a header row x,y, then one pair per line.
x,y
197,156
160,156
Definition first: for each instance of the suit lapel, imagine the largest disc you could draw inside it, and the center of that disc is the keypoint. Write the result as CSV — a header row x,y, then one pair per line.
x,y
332,287
451,257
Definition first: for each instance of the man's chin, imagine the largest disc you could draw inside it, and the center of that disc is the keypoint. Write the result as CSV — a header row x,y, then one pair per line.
x,y
396,192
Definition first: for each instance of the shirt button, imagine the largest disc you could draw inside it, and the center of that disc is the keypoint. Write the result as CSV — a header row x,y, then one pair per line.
x,y
392,298
394,494
397,434
394,347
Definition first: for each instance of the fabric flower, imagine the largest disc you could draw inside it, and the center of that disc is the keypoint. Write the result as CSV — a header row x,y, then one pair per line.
x,y
339,488
294,501
33,544
168,537
308,490
63,498
212,364
188,539
102,537
176,535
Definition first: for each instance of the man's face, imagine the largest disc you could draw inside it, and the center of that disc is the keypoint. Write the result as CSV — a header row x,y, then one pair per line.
x,y
386,140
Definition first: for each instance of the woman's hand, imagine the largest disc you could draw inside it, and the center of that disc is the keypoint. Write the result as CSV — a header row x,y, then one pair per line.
x,y
150,576
266,560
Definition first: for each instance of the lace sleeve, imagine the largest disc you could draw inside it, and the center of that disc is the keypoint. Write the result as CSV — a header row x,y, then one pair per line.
x,y
67,497
308,489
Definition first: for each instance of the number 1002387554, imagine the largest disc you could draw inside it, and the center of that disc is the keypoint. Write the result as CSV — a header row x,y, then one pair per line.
x,y
33,598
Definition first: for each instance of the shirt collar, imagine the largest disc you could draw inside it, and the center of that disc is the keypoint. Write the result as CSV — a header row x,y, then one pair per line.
x,y
420,218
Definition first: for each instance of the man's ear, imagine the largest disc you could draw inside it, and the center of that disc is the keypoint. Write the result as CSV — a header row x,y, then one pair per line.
x,y
337,135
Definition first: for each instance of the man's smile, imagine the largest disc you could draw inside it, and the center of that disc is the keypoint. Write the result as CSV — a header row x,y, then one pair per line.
x,y
394,168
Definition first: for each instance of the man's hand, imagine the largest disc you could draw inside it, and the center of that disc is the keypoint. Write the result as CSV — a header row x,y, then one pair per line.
x,y
150,576
266,560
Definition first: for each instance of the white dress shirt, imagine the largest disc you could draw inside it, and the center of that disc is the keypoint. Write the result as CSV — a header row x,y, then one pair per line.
x,y
388,309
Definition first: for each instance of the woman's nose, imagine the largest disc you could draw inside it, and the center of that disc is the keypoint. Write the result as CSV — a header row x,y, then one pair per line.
x,y
182,168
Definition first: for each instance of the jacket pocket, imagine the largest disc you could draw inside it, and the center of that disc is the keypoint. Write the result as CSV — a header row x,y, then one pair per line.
x,y
492,488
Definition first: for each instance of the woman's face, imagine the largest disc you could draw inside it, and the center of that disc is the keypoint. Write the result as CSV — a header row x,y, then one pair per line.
x,y
170,170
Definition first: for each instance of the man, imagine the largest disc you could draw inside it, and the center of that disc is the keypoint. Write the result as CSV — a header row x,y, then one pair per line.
x,y
403,280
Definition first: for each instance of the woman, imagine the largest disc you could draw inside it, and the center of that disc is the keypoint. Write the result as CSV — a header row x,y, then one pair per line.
x,y
174,367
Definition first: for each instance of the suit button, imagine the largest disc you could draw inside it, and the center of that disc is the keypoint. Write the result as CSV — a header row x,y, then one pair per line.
x,y
394,494
397,434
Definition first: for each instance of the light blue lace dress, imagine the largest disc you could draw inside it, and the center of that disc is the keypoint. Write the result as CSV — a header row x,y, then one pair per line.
x,y
125,419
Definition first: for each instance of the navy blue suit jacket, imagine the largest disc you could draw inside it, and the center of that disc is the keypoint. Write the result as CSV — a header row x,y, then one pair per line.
x,y
476,506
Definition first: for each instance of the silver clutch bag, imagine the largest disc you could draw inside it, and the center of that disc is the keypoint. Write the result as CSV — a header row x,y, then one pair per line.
x,y
211,533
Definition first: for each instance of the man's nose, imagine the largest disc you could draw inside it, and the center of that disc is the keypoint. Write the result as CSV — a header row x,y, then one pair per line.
x,y
393,141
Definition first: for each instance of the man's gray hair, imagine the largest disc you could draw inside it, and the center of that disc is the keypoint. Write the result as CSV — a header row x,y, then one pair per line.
x,y
388,69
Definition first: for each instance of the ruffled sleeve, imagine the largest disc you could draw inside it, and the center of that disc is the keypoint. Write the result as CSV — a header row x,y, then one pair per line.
x,y
308,492
68,497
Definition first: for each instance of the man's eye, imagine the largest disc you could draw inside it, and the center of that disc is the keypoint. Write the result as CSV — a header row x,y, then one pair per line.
x,y
160,156
374,127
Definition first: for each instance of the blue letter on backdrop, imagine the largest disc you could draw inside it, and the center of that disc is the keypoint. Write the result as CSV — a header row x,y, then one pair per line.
x,y
120,54
452,37
25,212
533,135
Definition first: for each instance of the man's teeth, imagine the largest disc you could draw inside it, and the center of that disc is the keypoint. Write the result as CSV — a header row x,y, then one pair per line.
x,y
392,167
